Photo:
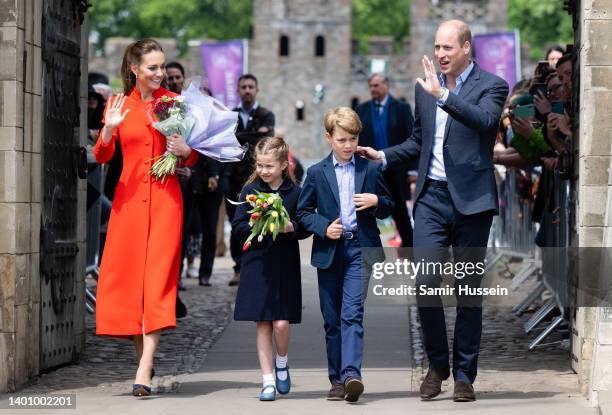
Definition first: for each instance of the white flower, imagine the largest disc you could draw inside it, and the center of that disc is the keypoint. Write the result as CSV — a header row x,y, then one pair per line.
x,y
179,99
260,238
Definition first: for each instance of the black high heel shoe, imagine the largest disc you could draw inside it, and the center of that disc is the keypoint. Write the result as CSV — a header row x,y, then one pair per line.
x,y
142,390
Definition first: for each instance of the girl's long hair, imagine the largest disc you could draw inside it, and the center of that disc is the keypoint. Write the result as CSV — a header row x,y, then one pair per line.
x,y
279,148
132,56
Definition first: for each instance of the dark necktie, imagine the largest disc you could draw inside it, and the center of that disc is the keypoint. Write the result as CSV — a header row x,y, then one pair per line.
x,y
379,109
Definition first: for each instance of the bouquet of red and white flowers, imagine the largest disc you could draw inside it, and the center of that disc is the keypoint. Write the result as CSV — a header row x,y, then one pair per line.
x,y
169,116
267,216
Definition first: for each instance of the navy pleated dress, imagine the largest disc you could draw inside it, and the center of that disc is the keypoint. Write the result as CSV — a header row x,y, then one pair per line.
x,y
270,278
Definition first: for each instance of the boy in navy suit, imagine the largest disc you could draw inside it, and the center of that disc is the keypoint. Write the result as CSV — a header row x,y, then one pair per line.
x,y
339,203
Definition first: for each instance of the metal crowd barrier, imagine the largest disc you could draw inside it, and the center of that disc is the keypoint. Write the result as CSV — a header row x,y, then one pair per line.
x,y
513,230
555,259
514,235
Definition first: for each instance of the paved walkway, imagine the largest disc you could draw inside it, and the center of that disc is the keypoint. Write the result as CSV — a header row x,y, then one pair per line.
x,y
199,377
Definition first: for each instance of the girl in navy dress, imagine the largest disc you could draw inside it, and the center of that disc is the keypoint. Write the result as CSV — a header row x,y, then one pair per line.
x,y
270,290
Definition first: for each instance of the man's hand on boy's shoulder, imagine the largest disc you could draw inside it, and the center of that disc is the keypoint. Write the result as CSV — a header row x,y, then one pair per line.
x,y
365,201
334,230
368,153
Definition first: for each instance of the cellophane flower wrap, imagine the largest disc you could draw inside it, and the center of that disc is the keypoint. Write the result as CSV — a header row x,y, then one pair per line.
x,y
267,216
205,123
213,133
169,116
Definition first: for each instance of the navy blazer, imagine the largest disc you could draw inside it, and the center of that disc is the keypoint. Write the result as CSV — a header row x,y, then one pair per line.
x,y
319,206
474,116
399,128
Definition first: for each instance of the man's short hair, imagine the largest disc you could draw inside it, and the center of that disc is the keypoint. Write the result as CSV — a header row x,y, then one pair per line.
x,y
568,57
465,34
382,76
342,117
247,76
176,65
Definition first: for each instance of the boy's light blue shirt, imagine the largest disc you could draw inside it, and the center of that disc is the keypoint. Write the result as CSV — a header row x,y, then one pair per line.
x,y
345,176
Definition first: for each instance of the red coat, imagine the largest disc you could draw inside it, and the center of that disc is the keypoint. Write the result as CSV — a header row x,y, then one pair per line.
x,y
139,271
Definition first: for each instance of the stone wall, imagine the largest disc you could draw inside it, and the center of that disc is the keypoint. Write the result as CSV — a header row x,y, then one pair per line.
x,y
401,79
285,80
595,155
20,189
21,137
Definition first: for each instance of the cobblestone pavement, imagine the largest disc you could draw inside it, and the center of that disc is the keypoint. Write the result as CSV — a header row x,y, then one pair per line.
x,y
110,363
505,363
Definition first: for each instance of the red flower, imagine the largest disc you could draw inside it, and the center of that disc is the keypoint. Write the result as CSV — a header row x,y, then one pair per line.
x,y
246,246
255,215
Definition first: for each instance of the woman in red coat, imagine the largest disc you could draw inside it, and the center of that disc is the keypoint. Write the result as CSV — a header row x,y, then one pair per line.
x,y
139,271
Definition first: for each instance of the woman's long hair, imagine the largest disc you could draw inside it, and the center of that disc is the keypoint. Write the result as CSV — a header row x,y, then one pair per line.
x,y
276,146
133,56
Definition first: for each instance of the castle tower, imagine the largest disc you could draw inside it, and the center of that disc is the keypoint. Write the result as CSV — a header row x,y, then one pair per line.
x,y
296,45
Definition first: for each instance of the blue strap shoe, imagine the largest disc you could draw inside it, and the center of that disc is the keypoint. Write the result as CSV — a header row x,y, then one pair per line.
x,y
268,393
283,386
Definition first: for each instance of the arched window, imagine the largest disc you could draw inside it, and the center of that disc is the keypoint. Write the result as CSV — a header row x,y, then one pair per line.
x,y
354,102
284,45
319,46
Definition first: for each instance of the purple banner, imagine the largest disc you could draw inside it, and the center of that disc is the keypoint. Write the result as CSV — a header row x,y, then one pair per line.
x,y
223,63
498,53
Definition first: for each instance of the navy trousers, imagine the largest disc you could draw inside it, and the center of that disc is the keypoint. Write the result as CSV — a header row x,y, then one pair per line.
x,y
438,224
342,289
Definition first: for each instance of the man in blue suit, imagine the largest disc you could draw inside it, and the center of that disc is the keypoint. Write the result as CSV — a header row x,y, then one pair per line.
x,y
457,115
339,203
388,122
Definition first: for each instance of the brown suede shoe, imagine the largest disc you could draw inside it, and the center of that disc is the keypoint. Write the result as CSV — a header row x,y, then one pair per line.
x,y
432,384
336,393
464,392
353,388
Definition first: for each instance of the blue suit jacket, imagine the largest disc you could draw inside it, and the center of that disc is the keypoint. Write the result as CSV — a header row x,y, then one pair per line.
x,y
319,205
474,116
399,129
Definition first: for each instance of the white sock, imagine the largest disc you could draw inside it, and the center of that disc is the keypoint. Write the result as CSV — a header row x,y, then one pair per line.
x,y
281,363
268,380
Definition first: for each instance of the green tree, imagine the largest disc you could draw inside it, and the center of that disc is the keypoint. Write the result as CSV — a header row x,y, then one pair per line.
x,y
180,19
541,23
380,18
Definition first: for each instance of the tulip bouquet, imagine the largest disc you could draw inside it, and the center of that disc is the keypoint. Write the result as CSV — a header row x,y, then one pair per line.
x,y
268,215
